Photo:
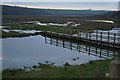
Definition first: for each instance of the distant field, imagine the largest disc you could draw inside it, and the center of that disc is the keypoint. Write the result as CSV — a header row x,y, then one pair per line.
x,y
84,27
57,19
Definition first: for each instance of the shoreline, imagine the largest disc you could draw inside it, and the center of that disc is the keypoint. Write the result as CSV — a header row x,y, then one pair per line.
x,y
92,69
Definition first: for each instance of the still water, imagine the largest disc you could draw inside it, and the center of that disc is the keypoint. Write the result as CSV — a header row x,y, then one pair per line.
x,y
29,51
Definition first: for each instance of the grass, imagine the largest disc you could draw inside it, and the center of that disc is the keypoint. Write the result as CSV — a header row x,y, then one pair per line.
x,y
53,19
15,22
85,26
93,69
16,34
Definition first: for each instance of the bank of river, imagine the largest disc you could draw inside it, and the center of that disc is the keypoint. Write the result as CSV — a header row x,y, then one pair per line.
x,y
93,69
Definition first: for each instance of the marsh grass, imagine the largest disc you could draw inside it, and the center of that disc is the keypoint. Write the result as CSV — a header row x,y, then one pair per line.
x,y
17,34
84,27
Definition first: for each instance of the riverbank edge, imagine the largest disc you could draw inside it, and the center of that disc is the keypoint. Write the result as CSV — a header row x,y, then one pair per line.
x,y
92,69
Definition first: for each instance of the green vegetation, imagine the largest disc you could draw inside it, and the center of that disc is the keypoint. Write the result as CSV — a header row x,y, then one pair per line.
x,y
16,34
53,19
86,26
13,18
93,69
113,15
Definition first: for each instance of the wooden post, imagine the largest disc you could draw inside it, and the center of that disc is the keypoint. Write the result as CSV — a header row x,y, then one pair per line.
x,y
101,38
114,40
89,50
107,53
63,33
57,34
45,40
113,52
50,40
96,50
63,44
90,37
108,37
71,45
100,52
56,42
80,33
79,47
96,34
86,48
71,33
86,35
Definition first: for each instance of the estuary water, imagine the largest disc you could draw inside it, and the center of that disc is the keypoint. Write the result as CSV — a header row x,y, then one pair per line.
x,y
29,51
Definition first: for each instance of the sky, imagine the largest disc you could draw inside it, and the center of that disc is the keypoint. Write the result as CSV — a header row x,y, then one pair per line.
x,y
60,0
66,4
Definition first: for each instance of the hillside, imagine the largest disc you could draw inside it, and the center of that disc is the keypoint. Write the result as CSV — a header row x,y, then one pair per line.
x,y
113,15
15,10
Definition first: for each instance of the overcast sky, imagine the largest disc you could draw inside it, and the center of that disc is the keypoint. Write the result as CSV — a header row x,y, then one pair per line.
x,y
60,0
66,4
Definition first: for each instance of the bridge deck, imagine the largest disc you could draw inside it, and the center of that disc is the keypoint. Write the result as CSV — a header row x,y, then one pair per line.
x,y
109,40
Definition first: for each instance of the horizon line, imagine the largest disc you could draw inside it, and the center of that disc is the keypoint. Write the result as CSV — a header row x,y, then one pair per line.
x,y
35,7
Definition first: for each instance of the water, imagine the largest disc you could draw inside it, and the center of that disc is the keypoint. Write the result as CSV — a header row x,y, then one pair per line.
x,y
105,21
2,27
21,31
28,51
52,24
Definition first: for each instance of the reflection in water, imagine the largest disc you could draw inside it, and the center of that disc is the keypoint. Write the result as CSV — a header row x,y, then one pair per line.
x,y
95,51
29,51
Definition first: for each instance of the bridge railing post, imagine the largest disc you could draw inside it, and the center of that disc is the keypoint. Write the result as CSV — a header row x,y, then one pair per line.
x,y
90,37
71,33
96,34
80,34
108,37
101,37
114,40
86,35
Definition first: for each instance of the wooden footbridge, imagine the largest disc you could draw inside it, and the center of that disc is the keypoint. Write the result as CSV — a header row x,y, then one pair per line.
x,y
102,53
109,41
99,38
